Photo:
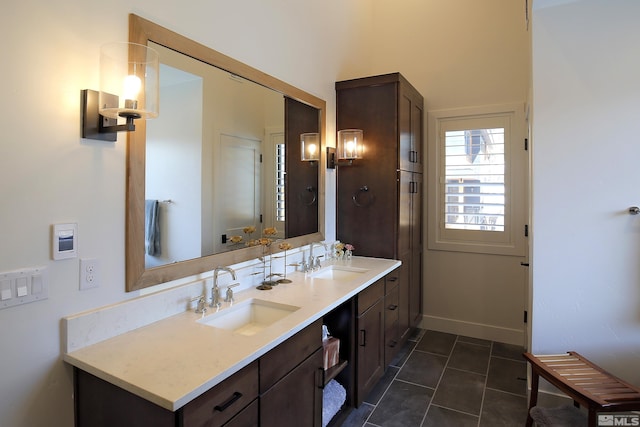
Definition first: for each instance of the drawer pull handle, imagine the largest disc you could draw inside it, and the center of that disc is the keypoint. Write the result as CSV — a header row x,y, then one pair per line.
x,y
392,278
392,307
236,395
321,378
393,343
363,338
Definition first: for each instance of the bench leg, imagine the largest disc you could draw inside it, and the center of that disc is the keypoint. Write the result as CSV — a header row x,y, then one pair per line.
x,y
533,399
592,417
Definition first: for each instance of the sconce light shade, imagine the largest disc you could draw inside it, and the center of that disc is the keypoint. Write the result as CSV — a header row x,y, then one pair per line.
x,y
131,72
310,147
349,144
129,88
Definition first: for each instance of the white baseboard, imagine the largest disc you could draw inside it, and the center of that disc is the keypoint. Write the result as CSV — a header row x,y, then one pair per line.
x,y
475,330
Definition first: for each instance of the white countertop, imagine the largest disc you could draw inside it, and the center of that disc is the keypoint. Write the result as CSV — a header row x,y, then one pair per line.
x,y
172,361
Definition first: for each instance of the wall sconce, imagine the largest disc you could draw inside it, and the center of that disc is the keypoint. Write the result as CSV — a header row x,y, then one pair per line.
x,y
310,147
349,147
129,88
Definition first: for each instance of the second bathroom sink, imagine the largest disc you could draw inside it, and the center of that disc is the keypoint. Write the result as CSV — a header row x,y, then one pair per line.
x,y
248,317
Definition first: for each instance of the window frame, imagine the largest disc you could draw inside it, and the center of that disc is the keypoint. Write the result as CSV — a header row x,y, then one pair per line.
x,y
511,241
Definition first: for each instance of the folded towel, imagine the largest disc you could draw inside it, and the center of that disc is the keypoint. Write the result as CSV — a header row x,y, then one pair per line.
x,y
333,397
151,228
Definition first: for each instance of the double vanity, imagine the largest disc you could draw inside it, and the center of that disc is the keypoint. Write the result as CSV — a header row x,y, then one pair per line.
x,y
258,360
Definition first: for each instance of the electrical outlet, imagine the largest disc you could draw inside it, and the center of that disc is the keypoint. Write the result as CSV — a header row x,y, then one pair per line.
x,y
89,274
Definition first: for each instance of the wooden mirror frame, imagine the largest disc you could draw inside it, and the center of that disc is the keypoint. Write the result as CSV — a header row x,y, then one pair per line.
x,y
137,276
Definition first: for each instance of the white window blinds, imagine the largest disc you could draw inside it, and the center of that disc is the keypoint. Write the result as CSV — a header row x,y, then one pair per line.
x,y
474,184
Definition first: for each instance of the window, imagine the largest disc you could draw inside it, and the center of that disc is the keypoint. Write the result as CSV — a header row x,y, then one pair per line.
x,y
477,174
474,176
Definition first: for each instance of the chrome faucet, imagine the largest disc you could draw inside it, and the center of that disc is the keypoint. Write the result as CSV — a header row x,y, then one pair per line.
x,y
215,290
314,263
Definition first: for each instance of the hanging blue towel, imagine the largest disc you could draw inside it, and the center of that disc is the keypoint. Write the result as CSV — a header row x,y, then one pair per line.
x,y
151,228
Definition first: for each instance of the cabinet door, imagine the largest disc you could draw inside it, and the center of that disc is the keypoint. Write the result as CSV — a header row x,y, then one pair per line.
x,y
295,400
415,273
405,251
370,350
410,122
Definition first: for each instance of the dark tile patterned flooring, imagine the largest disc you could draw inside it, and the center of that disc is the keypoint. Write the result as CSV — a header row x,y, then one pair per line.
x,y
441,380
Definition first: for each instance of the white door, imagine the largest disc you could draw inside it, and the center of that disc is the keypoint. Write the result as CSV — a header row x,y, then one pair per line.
x,y
475,283
238,188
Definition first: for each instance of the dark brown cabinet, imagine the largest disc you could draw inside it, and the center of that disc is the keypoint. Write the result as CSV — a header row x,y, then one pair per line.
x,y
391,318
297,398
291,381
284,384
379,198
370,339
224,401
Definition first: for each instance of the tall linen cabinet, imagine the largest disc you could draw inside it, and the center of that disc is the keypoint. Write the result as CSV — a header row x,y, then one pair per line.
x,y
380,197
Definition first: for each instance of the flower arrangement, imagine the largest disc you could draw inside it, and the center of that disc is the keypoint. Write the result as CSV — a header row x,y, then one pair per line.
x,y
344,250
284,246
267,238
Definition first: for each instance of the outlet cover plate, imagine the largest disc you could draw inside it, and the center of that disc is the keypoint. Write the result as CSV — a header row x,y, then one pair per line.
x,y
89,273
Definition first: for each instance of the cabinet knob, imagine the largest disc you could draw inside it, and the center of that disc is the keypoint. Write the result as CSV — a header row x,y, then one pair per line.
x,y
392,307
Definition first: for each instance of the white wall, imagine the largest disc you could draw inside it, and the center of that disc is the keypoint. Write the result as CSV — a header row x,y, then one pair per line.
x,y
173,171
586,248
49,175
461,54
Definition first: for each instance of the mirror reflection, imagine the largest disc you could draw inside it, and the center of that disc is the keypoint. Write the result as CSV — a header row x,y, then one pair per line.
x,y
209,179
223,157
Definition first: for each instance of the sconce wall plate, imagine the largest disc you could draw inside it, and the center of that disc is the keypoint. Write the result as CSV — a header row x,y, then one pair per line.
x,y
92,120
333,161
331,158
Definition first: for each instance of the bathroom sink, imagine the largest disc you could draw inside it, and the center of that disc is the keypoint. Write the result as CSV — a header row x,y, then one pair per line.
x,y
248,317
338,272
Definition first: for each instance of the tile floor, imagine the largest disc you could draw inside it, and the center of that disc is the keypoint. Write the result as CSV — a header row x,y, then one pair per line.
x,y
441,380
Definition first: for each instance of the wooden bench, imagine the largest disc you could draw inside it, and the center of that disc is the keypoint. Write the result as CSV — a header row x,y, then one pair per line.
x,y
586,383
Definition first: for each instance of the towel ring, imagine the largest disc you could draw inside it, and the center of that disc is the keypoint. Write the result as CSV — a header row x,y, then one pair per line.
x,y
314,196
360,201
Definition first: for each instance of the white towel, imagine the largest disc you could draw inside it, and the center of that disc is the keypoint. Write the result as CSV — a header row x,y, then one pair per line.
x,y
333,397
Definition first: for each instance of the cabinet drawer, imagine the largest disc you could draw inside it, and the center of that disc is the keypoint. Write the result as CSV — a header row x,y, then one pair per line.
x,y
369,296
218,405
282,359
391,281
391,307
247,417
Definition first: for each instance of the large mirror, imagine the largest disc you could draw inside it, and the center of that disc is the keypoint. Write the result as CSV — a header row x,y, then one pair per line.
x,y
224,155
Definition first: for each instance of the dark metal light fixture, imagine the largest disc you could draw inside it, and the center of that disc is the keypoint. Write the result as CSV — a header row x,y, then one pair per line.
x,y
129,89
310,147
349,147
